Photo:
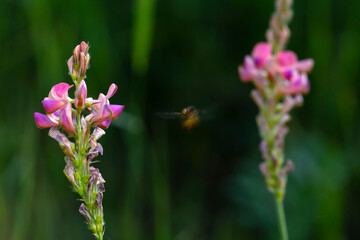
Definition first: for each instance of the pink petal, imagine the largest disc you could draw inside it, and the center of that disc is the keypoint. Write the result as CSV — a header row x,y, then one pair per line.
x,y
51,106
103,114
42,121
245,75
104,124
287,59
305,65
111,91
56,113
102,100
287,74
59,91
248,71
262,54
70,64
76,53
66,120
297,84
305,84
83,46
82,69
116,109
81,95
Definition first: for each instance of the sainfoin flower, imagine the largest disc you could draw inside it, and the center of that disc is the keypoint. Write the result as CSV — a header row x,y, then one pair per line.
x,y
280,81
290,73
77,124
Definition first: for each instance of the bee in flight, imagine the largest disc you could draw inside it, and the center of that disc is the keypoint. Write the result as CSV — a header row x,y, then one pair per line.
x,y
189,116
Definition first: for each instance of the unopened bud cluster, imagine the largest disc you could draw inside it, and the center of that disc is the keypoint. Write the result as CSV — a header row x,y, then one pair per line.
x,y
280,80
77,125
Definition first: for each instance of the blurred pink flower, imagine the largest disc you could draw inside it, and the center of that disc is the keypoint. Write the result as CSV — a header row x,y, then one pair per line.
x,y
262,54
298,84
287,63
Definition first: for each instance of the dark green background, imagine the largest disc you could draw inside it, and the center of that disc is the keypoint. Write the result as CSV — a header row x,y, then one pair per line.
x,y
164,182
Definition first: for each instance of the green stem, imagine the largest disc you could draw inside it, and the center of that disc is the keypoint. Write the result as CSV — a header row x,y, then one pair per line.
x,y
282,220
83,170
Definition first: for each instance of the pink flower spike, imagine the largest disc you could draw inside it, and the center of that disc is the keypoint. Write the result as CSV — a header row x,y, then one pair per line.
x,y
51,106
104,124
305,65
42,121
116,109
66,120
112,90
81,94
262,54
287,59
59,91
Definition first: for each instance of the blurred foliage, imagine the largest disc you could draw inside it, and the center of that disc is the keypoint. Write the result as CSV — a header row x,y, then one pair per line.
x,y
164,182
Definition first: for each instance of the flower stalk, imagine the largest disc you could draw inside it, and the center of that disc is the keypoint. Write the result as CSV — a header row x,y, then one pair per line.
x,y
77,124
280,81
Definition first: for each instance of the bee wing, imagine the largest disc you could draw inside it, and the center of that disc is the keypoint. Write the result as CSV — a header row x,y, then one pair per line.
x,y
210,112
168,115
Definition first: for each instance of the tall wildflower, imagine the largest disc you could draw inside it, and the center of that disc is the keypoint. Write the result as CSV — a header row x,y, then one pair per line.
x,y
280,81
77,124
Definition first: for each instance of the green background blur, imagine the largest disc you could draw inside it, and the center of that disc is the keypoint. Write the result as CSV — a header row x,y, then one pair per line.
x,y
164,182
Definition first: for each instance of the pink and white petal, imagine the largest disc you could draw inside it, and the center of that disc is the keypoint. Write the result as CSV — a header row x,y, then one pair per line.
x,y
112,90
305,65
70,64
305,84
51,106
76,53
294,86
80,98
103,114
66,119
59,91
83,46
98,133
43,121
116,110
107,112
249,63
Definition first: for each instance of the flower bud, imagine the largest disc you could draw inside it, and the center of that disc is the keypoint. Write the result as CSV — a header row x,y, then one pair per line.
x,y
78,62
80,95
69,170
98,133
84,211
65,145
